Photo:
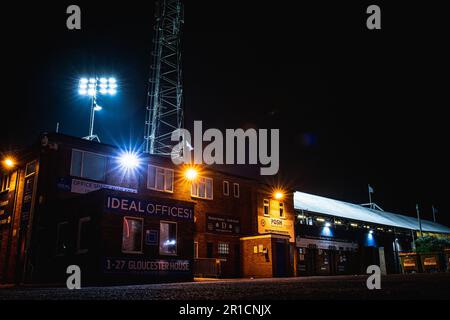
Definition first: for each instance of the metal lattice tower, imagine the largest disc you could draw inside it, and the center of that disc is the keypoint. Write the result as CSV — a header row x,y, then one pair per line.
x,y
165,97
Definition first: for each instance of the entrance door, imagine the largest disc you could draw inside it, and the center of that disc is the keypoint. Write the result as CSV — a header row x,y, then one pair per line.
x,y
281,260
237,260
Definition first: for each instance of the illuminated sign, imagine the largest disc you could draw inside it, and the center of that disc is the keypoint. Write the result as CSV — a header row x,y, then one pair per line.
x,y
155,208
276,226
5,208
144,266
222,224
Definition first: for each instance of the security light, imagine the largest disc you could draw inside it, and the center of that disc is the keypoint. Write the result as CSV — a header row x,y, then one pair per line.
x,y
129,160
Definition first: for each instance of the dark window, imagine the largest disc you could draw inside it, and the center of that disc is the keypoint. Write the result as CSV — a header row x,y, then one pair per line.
x,y
62,238
226,188
266,207
88,165
209,250
236,190
84,234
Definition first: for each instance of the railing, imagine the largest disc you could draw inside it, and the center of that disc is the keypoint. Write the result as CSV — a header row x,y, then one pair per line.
x,y
207,267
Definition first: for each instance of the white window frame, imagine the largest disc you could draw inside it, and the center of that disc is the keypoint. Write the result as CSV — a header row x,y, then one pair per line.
x,y
266,201
282,207
197,184
5,182
155,188
227,193
218,248
142,235
238,190
58,234
176,237
80,222
82,164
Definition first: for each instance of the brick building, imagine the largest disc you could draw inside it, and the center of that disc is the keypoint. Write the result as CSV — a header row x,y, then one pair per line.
x,y
68,201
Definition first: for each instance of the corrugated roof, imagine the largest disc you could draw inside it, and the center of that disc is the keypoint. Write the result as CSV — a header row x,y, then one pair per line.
x,y
313,203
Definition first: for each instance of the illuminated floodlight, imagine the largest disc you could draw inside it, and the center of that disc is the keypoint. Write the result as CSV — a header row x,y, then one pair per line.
x,y
129,160
103,85
103,91
91,92
8,163
103,80
83,81
97,108
83,92
92,80
327,225
371,232
112,91
112,80
83,86
191,174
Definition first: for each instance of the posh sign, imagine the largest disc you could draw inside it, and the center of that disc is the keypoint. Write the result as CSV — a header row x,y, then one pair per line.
x,y
154,208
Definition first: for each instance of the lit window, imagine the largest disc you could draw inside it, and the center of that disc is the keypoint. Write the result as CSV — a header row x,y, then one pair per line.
x,y
62,238
226,188
132,232
4,182
84,234
266,207
224,248
281,209
236,191
160,179
202,188
88,165
168,238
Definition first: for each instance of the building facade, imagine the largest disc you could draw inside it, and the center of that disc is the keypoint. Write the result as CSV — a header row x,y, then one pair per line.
x,y
68,201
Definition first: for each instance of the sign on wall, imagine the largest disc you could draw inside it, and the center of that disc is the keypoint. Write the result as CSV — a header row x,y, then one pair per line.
x,y
276,226
223,224
83,186
6,207
153,207
145,266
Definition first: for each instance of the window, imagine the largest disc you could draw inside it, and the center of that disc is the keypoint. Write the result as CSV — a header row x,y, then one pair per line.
x,y
30,168
84,234
4,182
266,207
236,190
88,165
224,248
226,188
160,179
195,250
132,233
281,210
168,238
62,238
202,188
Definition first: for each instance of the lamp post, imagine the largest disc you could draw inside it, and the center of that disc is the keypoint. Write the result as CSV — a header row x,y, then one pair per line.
x,y
92,87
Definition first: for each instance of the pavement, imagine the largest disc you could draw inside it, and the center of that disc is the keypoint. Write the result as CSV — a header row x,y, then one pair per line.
x,y
393,287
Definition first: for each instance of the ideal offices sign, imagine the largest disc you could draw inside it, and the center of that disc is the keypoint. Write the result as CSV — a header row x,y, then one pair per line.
x,y
155,208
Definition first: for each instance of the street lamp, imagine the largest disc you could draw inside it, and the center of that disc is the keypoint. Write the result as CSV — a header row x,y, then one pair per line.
x,y
91,87
8,163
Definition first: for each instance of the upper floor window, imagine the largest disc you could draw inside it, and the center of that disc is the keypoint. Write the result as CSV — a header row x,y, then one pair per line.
x,y
236,191
88,165
266,207
160,179
226,188
4,182
281,210
202,188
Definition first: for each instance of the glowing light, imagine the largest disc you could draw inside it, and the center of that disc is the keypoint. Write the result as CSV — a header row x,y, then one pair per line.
x,y
112,91
371,232
354,225
112,80
92,80
320,219
8,162
103,91
103,80
91,92
191,174
327,225
129,160
278,195
83,92
97,108
83,81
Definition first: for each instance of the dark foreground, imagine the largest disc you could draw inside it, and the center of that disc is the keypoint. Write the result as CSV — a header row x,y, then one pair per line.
x,y
419,286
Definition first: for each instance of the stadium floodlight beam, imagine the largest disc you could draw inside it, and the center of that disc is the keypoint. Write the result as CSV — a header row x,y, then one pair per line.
x,y
91,87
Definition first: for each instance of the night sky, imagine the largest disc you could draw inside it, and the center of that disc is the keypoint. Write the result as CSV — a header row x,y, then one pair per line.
x,y
353,106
